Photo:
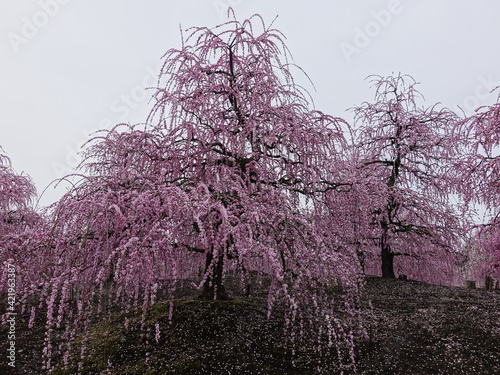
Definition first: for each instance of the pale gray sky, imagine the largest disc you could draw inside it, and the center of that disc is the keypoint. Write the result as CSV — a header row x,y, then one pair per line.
x,y
70,67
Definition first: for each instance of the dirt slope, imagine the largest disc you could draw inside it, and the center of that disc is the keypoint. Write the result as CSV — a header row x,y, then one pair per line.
x,y
415,328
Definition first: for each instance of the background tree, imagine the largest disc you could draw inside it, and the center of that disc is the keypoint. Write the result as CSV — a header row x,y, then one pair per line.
x,y
477,174
407,149
17,193
349,211
18,221
227,178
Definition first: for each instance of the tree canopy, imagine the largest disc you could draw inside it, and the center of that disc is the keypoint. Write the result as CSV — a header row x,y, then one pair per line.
x,y
226,179
406,151
17,194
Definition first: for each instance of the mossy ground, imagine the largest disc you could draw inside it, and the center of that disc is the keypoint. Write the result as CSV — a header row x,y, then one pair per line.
x,y
203,337
415,328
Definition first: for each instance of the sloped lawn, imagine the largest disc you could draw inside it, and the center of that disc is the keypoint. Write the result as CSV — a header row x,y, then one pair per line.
x,y
414,328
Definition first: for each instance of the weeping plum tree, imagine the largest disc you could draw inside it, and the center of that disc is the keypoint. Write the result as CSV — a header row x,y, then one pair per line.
x,y
16,213
408,150
349,212
18,221
243,131
227,176
477,174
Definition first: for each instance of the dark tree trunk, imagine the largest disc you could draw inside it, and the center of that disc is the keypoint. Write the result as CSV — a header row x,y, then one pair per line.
x,y
387,257
213,287
392,206
388,265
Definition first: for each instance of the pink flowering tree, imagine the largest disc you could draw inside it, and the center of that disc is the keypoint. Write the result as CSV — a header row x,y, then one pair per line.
x,y
477,173
226,179
404,152
17,193
349,213
18,223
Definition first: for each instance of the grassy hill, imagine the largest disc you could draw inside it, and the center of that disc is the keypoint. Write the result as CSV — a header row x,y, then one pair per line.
x,y
414,328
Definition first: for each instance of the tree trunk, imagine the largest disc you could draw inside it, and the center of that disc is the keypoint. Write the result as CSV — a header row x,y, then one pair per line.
x,y
488,283
213,287
387,257
388,265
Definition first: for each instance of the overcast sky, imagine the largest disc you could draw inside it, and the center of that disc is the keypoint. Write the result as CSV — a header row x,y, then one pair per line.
x,y
69,68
